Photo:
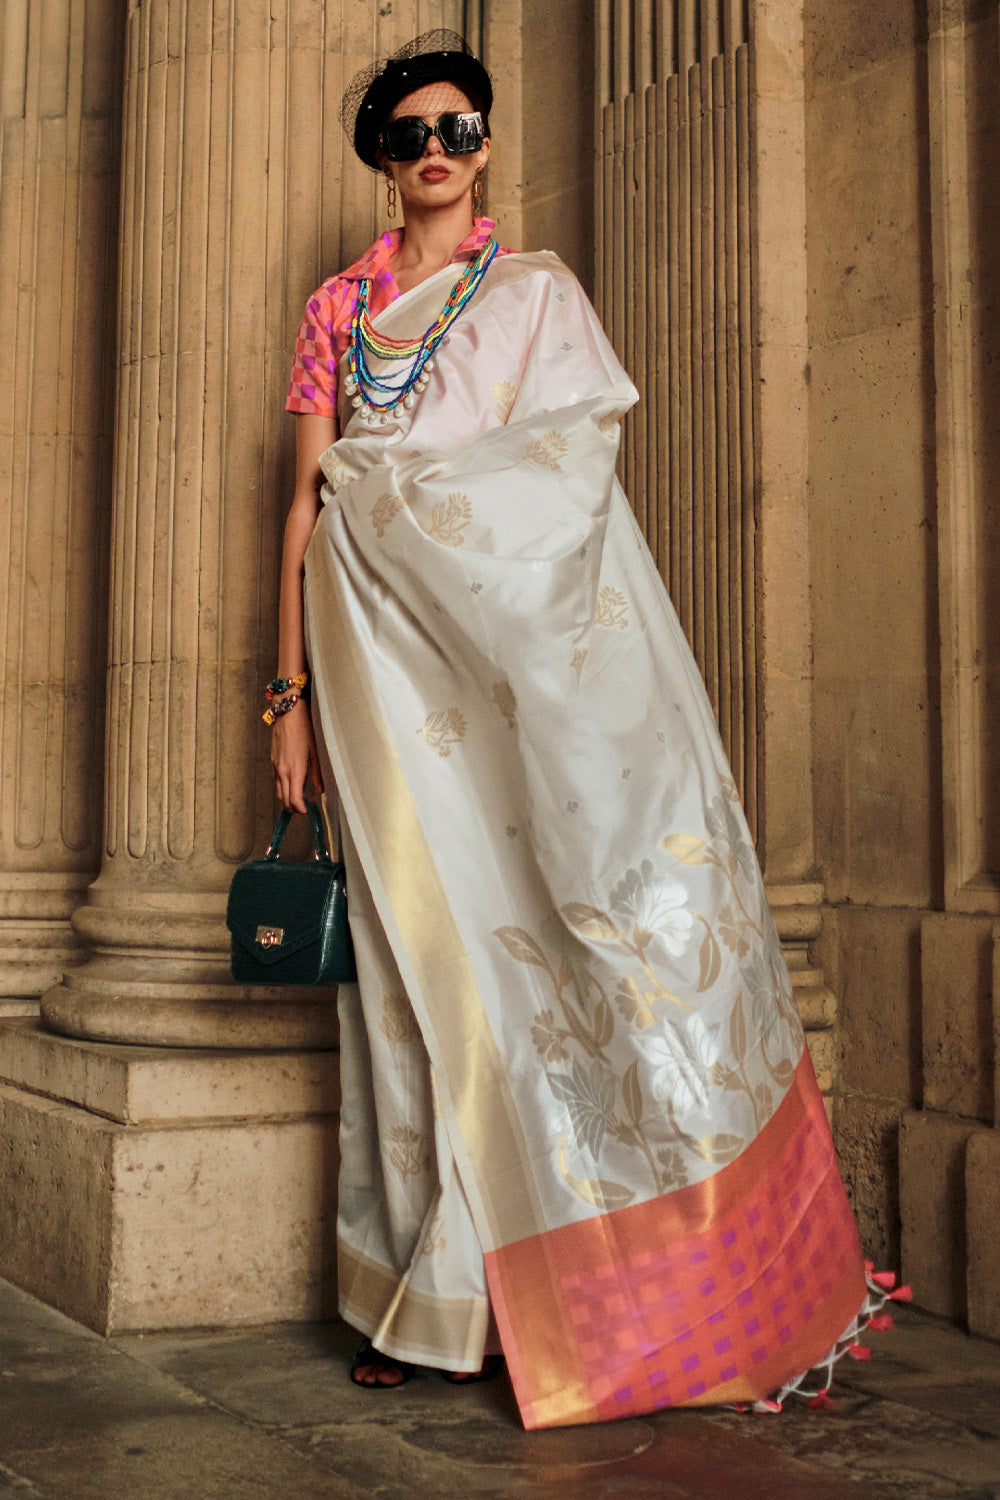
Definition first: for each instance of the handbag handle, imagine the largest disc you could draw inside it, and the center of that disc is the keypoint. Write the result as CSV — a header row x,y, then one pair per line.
x,y
318,832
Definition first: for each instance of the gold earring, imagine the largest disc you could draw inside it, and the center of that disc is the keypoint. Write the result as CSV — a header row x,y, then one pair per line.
x,y
391,196
477,192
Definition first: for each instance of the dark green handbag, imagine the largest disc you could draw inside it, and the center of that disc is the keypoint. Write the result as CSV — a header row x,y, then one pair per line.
x,y
288,918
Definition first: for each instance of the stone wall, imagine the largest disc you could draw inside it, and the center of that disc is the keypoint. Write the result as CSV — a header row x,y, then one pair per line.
x,y
903,291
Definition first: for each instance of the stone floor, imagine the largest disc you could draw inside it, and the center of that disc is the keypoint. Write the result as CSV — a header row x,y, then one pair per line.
x,y
268,1414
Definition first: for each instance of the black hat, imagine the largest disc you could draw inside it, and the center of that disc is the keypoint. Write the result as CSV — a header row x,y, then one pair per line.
x,y
433,57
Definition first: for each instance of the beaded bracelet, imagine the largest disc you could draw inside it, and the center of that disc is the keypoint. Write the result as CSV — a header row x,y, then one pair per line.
x,y
285,684
276,710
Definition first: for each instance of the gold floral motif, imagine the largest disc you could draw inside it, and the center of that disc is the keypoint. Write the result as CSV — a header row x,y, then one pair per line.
x,y
384,511
579,657
449,519
408,1153
504,394
612,608
549,1038
582,1022
752,940
547,450
444,727
337,472
602,1194
672,1172
397,1023
635,1004
734,932
503,697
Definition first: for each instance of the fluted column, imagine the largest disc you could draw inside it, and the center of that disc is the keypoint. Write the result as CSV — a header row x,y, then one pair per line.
x,y
59,91
235,204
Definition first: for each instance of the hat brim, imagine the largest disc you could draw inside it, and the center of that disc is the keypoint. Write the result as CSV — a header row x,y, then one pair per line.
x,y
397,79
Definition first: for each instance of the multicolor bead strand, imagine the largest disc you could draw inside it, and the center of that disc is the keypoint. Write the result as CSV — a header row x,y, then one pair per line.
x,y
381,393
282,707
282,695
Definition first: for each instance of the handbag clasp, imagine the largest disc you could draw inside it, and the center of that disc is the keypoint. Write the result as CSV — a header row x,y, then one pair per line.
x,y
270,937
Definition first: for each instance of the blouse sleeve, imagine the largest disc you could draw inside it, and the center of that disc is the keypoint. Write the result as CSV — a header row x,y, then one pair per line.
x,y
321,341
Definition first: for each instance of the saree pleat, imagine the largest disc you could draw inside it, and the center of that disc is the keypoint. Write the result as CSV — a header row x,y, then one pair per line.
x,y
573,920
409,1263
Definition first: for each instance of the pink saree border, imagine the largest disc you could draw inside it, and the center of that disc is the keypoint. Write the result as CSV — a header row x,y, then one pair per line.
x,y
717,1293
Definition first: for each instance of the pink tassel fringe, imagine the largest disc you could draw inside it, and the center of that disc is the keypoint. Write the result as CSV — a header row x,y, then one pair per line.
x,y
813,1386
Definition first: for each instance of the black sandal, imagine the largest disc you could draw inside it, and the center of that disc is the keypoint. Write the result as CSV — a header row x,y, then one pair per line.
x,y
373,1358
492,1365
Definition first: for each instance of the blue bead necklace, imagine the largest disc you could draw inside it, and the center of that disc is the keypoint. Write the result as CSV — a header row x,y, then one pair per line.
x,y
386,393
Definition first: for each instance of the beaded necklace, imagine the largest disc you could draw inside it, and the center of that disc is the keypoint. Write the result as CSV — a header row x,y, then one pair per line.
x,y
386,393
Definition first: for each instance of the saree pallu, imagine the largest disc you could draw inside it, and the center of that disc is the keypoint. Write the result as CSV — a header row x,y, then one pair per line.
x,y
531,773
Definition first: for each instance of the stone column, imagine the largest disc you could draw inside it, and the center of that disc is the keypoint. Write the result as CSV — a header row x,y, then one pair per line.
x,y
217,175
59,92
232,155
787,843
191,1180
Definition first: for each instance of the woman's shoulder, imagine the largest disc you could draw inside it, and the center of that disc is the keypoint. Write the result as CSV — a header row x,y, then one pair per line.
x,y
327,300
539,280
543,267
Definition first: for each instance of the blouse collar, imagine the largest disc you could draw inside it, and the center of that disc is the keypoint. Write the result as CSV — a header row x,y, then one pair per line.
x,y
374,264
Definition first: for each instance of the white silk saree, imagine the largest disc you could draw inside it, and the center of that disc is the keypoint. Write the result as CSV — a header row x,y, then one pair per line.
x,y
585,1056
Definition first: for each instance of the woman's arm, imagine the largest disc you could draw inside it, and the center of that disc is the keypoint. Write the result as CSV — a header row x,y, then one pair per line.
x,y
293,748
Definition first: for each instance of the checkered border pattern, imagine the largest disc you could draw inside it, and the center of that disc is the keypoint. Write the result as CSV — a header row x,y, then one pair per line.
x,y
665,1327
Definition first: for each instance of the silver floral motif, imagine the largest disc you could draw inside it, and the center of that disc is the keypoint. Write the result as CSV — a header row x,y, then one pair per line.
x,y
722,823
656,906
588,1091
661,1019
683,1056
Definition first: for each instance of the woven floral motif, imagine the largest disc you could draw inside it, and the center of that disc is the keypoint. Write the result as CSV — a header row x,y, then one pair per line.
x,y
612,608
504,393
548,450
443,728
384,512
397,1022
408,1151
624,1044
449,519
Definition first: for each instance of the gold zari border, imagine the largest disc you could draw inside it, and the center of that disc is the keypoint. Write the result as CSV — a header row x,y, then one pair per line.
x,y
445,1332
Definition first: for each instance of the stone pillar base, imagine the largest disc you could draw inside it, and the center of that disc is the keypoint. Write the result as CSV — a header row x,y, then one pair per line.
x,y
950,1202
151,1189
37,943
798,915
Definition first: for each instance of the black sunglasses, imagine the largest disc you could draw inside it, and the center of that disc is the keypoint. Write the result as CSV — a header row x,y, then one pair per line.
x,y
406,139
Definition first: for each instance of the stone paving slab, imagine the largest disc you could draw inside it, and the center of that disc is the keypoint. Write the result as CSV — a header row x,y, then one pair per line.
x,y
922,1417
431,1439
81,1418
269,1414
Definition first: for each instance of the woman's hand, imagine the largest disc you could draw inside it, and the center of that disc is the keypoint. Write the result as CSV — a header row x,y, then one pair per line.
x,y
294,758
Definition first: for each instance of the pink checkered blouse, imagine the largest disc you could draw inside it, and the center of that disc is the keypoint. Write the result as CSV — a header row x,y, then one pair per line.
x,y
326,325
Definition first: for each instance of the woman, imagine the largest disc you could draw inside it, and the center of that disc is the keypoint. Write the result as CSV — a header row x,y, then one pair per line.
x,y
579,1120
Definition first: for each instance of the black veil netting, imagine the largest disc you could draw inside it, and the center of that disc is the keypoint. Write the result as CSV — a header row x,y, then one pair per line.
x,y
439,56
